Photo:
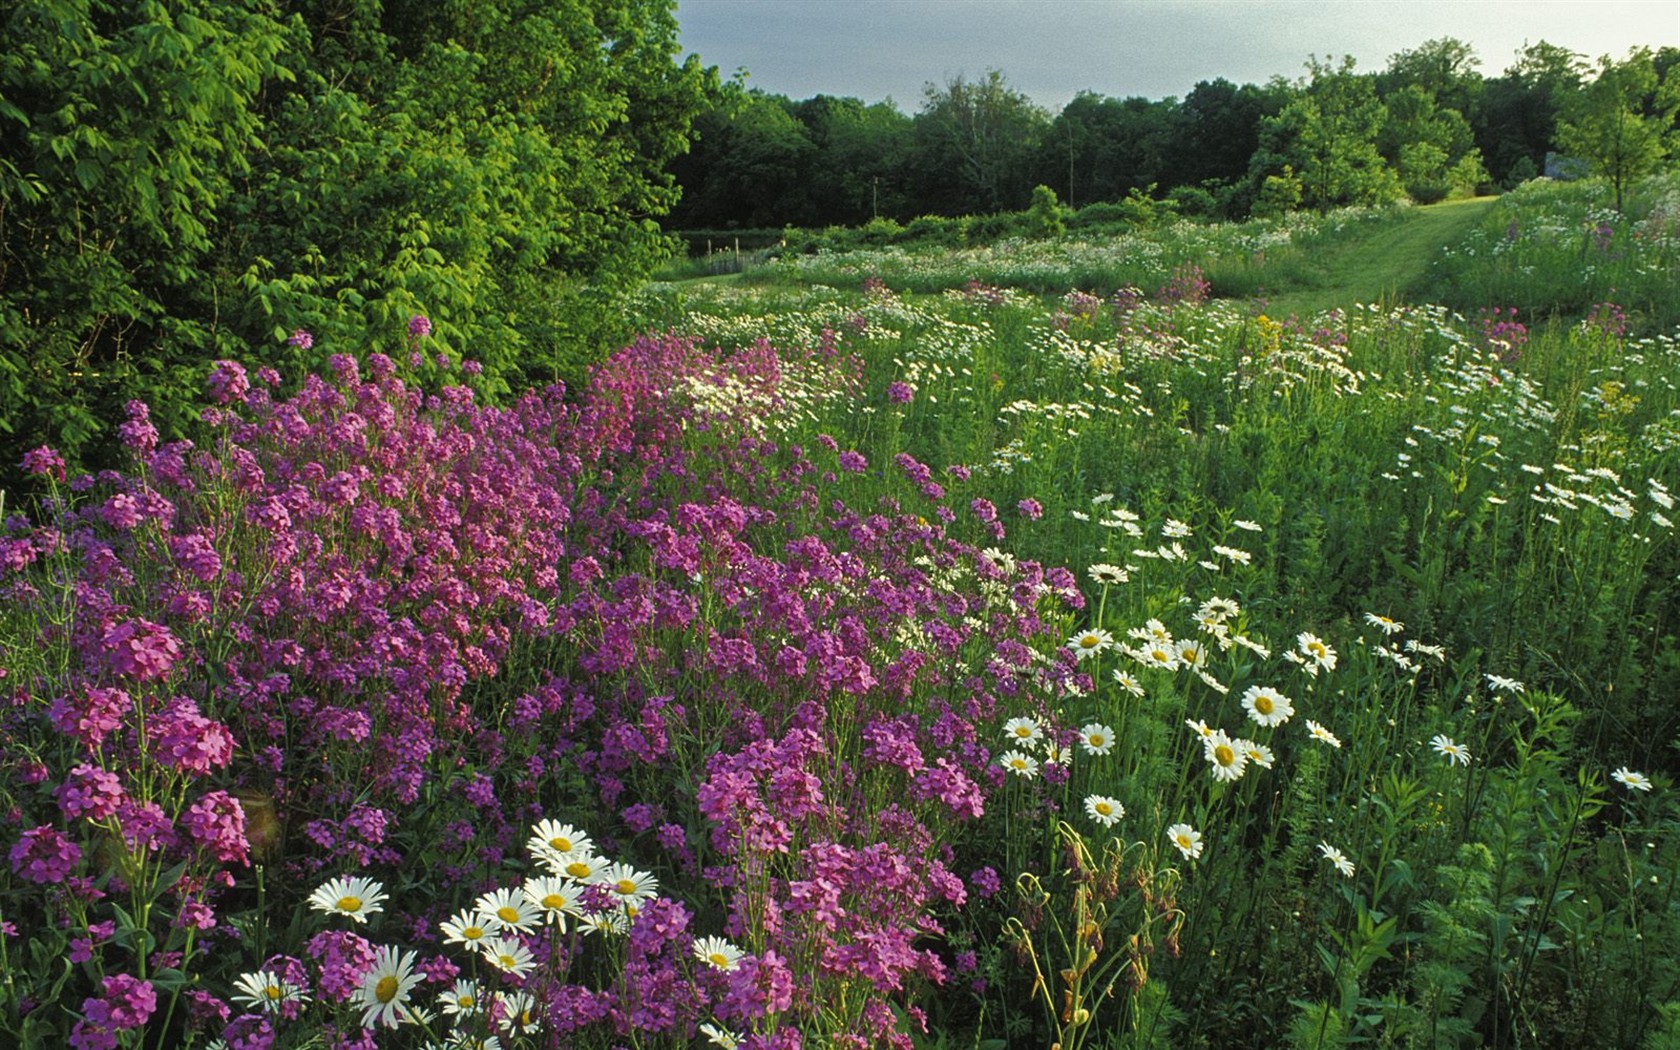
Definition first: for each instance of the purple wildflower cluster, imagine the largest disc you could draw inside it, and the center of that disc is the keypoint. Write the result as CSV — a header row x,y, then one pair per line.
x,y
360,596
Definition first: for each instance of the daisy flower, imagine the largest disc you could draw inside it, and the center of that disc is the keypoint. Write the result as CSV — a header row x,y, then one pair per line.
x,y
267,991
1020,763
508,910
463,1000
552,838
1191,654
1247,526
1336,857
1384,624
518,1012
1259,754
353,896
383,995
1157,631
1023,730
580,866
1631,780
1090,642
1217,609
1266,706
1104,810
1228,762
1096,738
607,922
717,952
1200,728
1322,734
1449,750
1108,575
555,897
1128,683
628,885
1501,684
465,927
1187,839
721,1037
1314,648
508,954
1158,654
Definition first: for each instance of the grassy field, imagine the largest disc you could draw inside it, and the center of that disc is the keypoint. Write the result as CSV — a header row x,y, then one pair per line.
x,y
1152,643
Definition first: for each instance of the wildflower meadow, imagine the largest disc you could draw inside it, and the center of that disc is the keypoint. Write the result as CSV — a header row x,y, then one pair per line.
x,y
883,651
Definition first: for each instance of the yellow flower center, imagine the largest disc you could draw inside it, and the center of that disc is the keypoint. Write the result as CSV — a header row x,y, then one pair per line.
x,y
1090,641
1095,740
1263,704
272,992
577,869
471,933
560,844
506,962
625,886
386,989
1224,755
507,913
1184,841
465,1002
554,902
349,904
1317,649
718,959
1103,808
1190,656
1023,732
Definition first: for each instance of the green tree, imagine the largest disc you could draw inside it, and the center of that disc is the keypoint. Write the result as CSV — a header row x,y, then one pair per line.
x,y
1328,134
1621,123
195,179
975,141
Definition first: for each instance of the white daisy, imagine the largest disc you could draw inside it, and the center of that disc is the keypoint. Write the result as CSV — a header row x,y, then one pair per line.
x,y
1336,857
580,866
1266,706
552,838
1449,750
1384,624
266,991
1322,734
627,885
352,896
1259,754
1108,575
465,927
1314,648
1023,730
1222,753
1128,683
508,954
383,995
1631,780
1192,654
463,1000
507,909
1501,684
721,1037
717,952
1104,810
1019,763
1090,642
1187,839
1096,738
554,897
518,1012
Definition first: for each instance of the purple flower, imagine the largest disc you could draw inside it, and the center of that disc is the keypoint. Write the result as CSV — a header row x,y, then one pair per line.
x,y
853,462
216,823
301,339
1030,508
44,462
228,381
419,326
985,881
45,856
91,792
141,649
900,393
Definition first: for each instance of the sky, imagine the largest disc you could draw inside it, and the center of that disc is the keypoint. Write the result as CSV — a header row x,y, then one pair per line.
x,y
1053,49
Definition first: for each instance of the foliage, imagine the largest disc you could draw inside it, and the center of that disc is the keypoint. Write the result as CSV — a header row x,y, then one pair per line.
x,y
190,181
1622,121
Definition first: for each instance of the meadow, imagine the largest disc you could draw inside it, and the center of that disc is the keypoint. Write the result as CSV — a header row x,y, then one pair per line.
x,y
1052,645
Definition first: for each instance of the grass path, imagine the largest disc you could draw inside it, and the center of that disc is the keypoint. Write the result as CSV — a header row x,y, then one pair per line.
x,y
1389,265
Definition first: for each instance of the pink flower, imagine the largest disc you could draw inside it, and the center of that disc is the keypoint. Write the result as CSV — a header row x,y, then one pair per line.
x,y
216,823
44,462
141,649
45,856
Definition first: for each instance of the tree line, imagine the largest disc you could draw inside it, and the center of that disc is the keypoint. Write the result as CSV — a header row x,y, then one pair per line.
x,y
1427,125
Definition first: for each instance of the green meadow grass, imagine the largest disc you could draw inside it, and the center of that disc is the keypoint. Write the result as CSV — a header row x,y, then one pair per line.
x,y
1450,547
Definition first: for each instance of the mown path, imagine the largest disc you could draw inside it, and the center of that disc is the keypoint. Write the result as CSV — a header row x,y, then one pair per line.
x,y
1389,264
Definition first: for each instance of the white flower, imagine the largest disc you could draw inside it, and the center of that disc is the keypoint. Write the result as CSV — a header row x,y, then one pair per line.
x,y
1314,648
1336,857
465,927
1501,684
1222,753
1322,734
555,897
463,1000
1452,752
720,1037
1108,575
354,896
1247,526
717,952
550,838
1104,810
508,909
508,954
1089,643
1266,706
627,885
383,995
1096,738
1259,754
1127,682
1384,624
519,1012
266,991
1631,780
1023,730
1187,839
1020,763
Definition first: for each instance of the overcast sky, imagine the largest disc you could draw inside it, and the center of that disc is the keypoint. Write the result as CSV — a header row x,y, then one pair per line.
x,y
1053,49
